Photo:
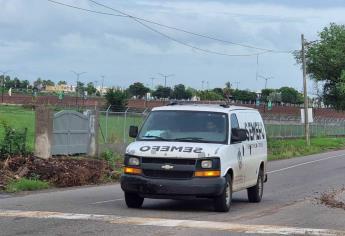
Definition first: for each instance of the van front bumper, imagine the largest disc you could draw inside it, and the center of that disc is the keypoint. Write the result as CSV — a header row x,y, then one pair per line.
x,y
173,188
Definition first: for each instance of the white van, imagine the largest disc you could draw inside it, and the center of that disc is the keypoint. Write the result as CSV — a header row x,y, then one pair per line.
x,y
203,151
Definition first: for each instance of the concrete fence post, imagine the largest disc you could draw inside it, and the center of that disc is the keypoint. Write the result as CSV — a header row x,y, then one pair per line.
x,y
44,132
94,127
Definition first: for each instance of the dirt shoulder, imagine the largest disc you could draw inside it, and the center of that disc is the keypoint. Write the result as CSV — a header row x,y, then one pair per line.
x,y
59,172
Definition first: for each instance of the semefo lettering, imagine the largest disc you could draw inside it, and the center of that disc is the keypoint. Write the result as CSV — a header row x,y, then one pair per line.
x,y
171,149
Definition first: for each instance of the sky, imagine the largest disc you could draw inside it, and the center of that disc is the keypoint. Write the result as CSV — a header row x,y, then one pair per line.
x,y
41,39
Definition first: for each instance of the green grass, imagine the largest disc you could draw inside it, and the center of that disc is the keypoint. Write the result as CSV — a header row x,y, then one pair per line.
x,y
287,148
19,118
116,124
25,184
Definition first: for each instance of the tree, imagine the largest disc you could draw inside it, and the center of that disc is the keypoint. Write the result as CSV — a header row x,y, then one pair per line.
x,y
48,82
275,96
243,95
162,92
80,87
180,92
325,60
90,88
116,98
62,82
38,83
138,89
24,84
16,82
219,91
210,95
228,91
265,93
290,95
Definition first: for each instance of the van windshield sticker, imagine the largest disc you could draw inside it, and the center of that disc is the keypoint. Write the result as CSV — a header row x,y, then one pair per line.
x,y
171,149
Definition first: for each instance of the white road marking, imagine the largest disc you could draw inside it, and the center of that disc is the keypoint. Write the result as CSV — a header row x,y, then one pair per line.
x,y
112,200
209,225
304,163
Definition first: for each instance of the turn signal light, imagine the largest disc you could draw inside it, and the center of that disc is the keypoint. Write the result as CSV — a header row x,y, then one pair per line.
x,y
132,171
208,173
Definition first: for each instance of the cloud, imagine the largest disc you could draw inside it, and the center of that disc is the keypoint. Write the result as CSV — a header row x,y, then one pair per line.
x,y
39,38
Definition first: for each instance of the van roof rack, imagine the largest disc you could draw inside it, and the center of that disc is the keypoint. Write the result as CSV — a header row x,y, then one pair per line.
x,y
173,103
224,105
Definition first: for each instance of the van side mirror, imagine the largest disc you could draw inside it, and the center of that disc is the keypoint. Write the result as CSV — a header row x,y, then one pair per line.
x,y
238,135
133,131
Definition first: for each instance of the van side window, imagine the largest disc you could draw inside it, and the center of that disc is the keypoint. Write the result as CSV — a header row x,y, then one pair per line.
x,y
234,121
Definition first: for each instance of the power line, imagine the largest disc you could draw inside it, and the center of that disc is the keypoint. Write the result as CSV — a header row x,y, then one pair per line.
x,y
195,47
179,41
84,9
183,30
139,20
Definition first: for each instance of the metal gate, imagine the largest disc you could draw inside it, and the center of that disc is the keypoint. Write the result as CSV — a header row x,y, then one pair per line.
x,y
71,133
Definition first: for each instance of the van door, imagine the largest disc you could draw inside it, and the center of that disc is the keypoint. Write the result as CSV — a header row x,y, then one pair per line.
x,y
237,151
254,148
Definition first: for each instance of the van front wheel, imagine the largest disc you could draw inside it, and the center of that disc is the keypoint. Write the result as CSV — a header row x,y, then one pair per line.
x,y
133,200
222,203
255,193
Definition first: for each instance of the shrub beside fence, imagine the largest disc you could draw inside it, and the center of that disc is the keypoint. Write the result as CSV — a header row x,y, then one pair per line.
x,y
13,142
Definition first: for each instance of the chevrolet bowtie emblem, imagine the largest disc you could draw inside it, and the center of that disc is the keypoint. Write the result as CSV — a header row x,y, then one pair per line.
x,y
167,167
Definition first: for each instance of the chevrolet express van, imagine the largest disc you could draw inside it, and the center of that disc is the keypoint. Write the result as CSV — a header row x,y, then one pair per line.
x,y
196,151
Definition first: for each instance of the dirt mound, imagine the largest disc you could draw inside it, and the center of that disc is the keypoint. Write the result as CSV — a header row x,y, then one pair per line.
x,y
334,199
61,172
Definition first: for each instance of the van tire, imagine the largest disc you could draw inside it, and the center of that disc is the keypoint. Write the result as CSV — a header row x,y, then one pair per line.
x,y
133,200
222,203
255,193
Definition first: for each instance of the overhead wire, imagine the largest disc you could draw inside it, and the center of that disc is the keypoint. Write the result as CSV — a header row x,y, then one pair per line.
x,y
139,21
190,32
179,29
84,9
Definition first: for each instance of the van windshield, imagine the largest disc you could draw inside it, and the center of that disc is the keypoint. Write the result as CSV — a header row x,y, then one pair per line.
x,y
185,126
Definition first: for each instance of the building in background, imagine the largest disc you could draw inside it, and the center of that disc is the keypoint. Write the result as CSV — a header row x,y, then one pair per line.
x,y
60,88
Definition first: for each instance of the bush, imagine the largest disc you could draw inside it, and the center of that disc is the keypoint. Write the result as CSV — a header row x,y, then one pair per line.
x,y
14,142
113,159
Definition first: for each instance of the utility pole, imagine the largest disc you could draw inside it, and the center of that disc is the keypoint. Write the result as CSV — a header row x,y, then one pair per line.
x,y
306,118
165,78
76,87
152,79
3,84
237,83
95,85
102,76
266,79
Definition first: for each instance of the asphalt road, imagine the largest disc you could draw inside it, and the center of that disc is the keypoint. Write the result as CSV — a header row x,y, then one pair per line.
x,y
289,206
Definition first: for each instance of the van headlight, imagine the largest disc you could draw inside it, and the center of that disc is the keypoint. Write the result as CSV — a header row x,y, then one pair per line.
x,y
206,164
133,161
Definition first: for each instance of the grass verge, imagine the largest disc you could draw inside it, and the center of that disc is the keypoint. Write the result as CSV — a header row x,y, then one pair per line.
x,y
18,118
288,148
25,184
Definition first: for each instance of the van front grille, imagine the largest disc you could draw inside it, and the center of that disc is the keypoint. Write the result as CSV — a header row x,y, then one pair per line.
x,y
167,174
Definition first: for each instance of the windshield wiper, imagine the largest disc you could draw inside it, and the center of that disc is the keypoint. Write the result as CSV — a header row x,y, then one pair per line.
x,y
155,137
189,139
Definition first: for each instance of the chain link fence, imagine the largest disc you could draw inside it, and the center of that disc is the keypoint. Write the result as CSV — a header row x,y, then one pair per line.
x,y
278,126
114,126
